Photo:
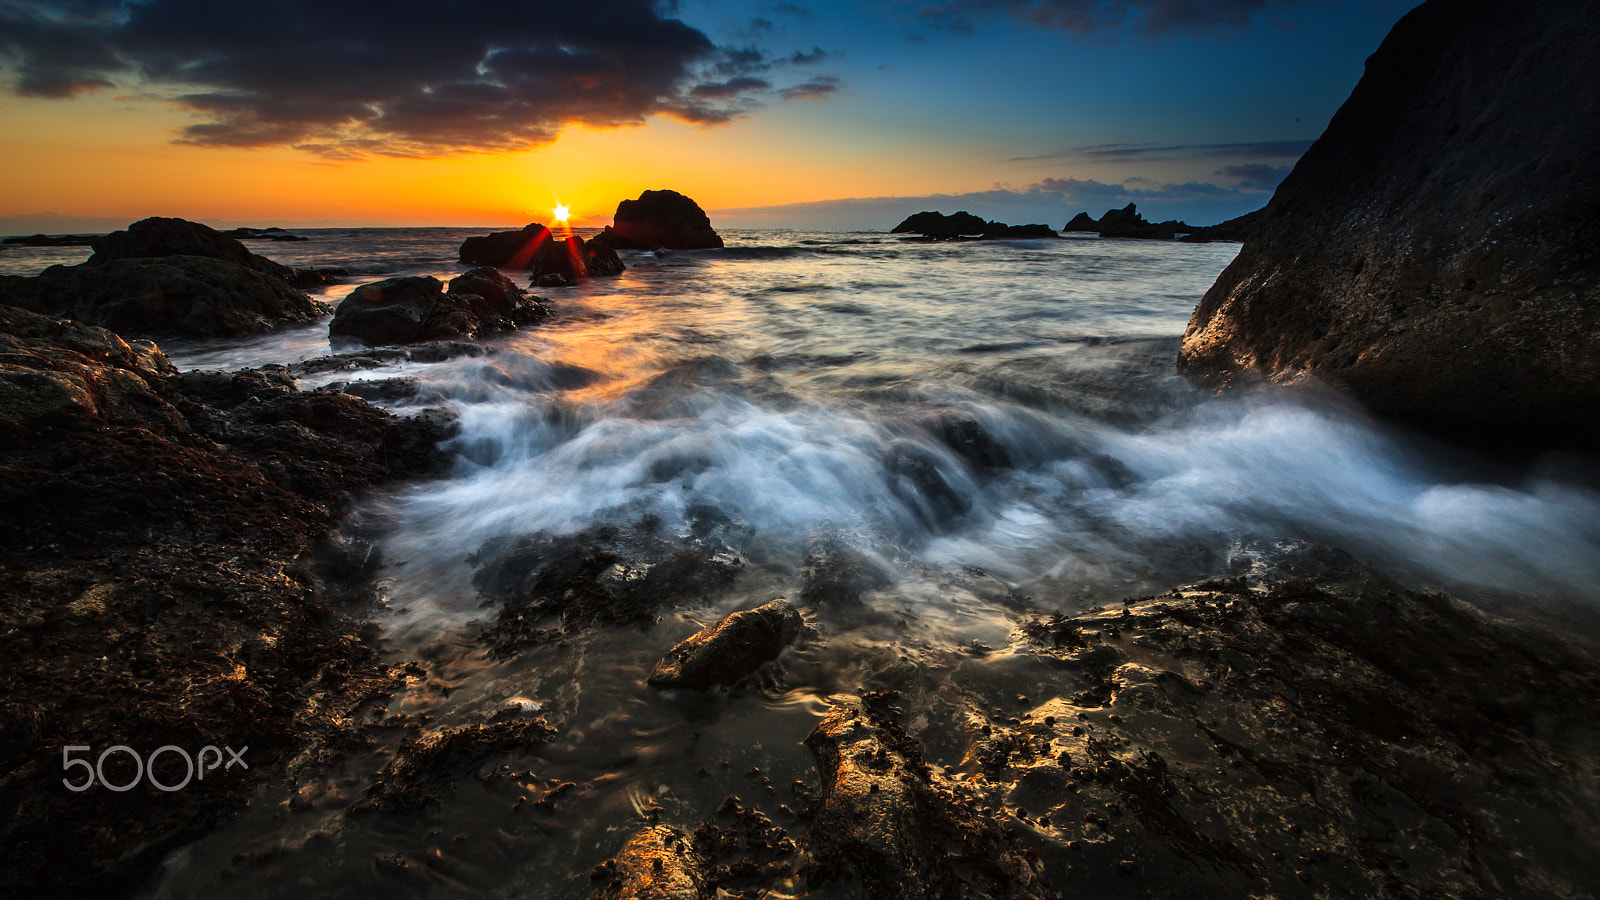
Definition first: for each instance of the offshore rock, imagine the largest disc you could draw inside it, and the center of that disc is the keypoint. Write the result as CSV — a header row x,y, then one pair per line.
x,y
1127,223
551,260
51,240
170,277
413,308
660,219
964,224
1433,252
1082,222
658,863
729,650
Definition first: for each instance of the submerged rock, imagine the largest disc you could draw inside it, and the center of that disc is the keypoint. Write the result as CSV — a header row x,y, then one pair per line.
x,y
412,308
550,585
659,219
169,277
1432,254
424,767
731,649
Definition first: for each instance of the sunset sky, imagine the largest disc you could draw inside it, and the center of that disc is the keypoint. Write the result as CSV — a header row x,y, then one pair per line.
x,y
839,114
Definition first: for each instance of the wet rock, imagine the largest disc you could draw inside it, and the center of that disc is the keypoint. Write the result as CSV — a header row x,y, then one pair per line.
x,y
191,296
659,219
658,863
1301,674
551,260
377,357
425,767
887,821
1419,256
836,575
413,308
162,587
964,224
729,650
550,585
917,478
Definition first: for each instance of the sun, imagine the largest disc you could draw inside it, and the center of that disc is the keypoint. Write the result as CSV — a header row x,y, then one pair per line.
x,y
562,213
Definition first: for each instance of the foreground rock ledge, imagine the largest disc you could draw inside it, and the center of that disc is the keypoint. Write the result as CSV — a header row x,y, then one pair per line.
x,y
1433,253
168,579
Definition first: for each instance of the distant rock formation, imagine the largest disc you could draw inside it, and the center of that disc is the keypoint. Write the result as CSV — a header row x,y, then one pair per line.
x,y
1082,222
1433,254
964,224
1127,223
660,219
549,259
51,240
263,234
414,308
165,276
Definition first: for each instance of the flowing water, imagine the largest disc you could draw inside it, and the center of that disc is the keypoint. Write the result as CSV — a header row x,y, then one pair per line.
x,y
992,426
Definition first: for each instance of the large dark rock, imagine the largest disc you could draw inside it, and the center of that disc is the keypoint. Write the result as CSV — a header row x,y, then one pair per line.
x,y
549,259
964,224
505,249
1433,253
171,277
190,296
412,308
660,219
163,586
729,650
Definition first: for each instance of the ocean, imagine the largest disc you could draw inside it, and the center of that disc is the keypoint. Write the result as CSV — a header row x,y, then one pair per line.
x,y
991,427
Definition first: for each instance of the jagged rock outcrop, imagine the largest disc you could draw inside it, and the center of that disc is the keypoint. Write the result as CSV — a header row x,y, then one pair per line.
x,y
549,259
170,277
1127,223
964,224
660,219
412,308
1082,222
1433,254
731,649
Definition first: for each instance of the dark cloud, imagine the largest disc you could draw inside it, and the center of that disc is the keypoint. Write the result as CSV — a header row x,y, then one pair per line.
x,y
816,55
1128,152
730,88
816,89
405,77
1256,176
1151,18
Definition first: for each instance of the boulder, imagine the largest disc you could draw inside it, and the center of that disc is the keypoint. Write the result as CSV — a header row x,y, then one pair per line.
x,y
171,277
504,249
413,308
189,296
660,219
551,260
1432,254
729,650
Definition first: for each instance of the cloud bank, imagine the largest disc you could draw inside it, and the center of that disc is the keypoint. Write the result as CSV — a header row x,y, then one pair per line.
x,y
1150,18
400,77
